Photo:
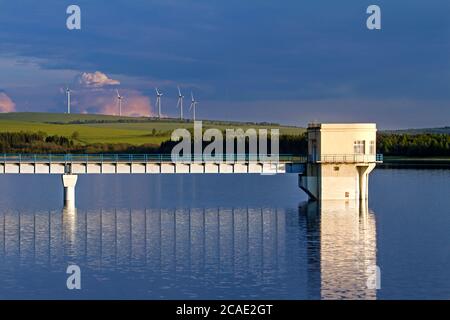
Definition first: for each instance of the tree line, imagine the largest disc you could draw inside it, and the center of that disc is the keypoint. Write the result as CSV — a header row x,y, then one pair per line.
x,y
418,145
31,142
414,145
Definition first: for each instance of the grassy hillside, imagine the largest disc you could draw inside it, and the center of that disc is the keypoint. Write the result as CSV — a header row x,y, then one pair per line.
x,y
86,134
111,129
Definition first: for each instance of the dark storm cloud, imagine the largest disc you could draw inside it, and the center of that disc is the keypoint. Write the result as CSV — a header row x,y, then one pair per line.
x,y
250,51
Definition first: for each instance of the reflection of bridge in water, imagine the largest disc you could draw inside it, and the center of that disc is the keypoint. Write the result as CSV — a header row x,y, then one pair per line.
x,y
333,249
165,240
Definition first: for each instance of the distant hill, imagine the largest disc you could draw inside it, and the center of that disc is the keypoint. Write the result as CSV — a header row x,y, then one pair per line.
x,y
44,117
61,118
442,130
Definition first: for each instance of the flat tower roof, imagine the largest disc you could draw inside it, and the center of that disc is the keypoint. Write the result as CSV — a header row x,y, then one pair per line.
x,y
342,126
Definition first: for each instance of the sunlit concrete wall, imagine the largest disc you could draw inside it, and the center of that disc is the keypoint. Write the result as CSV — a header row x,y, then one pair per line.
x,y
338,138
336,170
148,168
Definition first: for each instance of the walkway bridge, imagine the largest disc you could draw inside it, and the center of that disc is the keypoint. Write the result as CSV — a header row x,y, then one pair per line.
x,y
69,166
147,164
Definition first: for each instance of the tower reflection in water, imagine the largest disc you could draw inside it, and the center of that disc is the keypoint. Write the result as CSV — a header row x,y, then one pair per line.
x,y
341,249
320,251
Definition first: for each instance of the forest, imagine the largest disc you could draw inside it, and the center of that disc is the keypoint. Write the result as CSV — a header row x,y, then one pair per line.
x,y
388,144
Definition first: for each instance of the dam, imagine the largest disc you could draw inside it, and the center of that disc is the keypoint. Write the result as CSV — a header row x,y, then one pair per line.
x,y
337,167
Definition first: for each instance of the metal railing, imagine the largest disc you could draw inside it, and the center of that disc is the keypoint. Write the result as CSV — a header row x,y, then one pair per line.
x,y
346,158
129,158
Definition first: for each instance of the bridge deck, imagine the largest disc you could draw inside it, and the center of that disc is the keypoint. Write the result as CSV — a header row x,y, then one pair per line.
x,y
146,164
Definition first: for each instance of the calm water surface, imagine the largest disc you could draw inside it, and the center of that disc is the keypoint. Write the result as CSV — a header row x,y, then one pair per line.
x,y
234,237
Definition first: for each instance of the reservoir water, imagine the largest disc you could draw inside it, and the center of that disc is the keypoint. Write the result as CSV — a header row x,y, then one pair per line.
x,y
225,236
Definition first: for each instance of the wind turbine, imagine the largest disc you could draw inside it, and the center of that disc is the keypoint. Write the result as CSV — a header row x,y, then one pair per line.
x,y
193,105
158,101
68,99
180,103
119,100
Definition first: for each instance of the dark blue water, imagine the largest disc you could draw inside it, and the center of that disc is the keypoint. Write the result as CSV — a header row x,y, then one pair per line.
x,y
220,236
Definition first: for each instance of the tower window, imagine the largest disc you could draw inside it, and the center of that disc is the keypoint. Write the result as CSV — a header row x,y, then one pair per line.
x,y
359,147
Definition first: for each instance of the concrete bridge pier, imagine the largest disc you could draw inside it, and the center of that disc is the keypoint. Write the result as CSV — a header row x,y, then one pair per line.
x,y
363,173
69,181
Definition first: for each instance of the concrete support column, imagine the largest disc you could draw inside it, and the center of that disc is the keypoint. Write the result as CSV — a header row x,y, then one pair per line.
x,y
363,173
69,181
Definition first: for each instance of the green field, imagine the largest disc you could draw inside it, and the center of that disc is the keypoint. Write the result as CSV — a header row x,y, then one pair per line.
x,y
112,129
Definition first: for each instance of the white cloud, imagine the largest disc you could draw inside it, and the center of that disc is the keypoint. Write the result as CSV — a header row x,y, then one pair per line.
x,y
97,79
104,101
94,94
133,105
6,104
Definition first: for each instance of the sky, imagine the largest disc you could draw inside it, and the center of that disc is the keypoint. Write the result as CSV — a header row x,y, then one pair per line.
x,y
284,61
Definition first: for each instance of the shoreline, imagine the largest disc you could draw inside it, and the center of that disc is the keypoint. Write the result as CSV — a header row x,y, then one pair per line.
x,y
414,163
